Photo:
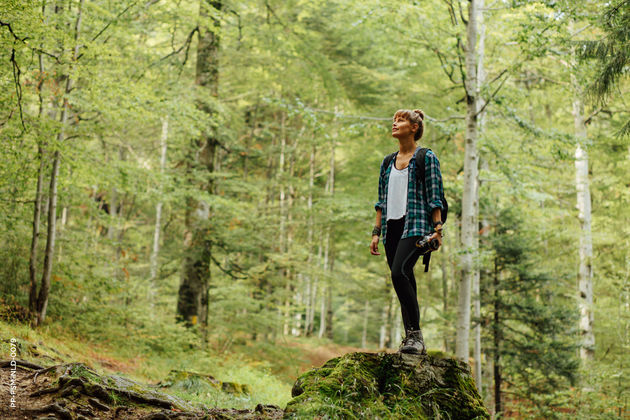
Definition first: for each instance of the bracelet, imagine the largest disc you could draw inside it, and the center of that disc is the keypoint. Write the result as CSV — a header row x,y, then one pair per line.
x,y
376,231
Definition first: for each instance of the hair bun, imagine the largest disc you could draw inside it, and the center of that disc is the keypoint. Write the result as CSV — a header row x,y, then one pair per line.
x,y
419,112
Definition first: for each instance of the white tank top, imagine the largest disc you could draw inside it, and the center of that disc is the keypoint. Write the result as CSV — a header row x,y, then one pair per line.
x,y
397,192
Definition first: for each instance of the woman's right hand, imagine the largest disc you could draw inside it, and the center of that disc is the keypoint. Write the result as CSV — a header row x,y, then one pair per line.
x,y
374,245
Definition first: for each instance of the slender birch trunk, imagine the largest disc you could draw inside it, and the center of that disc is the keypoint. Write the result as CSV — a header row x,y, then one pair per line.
x,y
471,161
476,291
322,303
158,215
445,307
496,336
42,299
296,289
60,231
393,317
309,238
383,332
585,269
366,312
314,291
331,245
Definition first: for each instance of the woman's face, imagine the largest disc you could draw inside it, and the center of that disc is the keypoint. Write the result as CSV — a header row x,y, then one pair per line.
x,y
402,128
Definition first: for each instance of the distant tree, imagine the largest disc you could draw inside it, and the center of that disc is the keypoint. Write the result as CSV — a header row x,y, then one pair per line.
x,y
531,337
192,302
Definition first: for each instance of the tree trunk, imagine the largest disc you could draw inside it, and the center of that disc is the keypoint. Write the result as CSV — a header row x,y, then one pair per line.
x,y
310,287
330,239
322,313
585,270
366,312
42,299
445,307
158,215
192,302
32,261
470,194
324,288
383,332
496,331
476,291
296,288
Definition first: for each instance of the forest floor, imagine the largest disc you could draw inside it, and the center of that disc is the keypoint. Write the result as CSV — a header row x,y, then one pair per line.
x,y
63,377
77,396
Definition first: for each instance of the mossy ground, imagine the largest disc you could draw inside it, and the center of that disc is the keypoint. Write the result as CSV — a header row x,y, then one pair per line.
x,y
387,386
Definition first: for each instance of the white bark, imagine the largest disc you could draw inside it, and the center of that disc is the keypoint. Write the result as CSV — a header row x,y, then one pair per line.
x,y
322,315
328,260
393,318
158,215
469,215
476,292
585,270
308,299
383,330
322,305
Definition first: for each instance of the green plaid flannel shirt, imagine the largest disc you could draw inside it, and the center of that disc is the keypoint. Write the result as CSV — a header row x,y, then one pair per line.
x,y
418,220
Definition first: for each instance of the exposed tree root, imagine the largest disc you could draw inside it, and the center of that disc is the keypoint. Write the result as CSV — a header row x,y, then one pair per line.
x,y
56,408
23,363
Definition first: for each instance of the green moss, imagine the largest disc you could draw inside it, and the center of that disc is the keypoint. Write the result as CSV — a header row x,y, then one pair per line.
x,y
388,386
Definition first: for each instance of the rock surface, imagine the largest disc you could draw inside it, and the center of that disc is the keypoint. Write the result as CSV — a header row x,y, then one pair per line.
x,y
387,386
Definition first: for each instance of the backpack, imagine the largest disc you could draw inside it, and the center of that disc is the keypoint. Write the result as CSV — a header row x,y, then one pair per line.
x,y
420,175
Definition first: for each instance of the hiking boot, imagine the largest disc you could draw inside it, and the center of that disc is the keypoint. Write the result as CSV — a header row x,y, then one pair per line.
x,y
403,343
413,343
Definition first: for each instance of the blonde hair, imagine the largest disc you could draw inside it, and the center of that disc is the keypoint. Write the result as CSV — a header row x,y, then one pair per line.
x,y
414,117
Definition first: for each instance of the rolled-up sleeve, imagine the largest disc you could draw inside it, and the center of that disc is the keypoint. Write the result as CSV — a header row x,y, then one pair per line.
x,y
380,204
433,177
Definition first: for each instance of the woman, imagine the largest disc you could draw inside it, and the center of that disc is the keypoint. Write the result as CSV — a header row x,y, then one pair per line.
x,y
405,212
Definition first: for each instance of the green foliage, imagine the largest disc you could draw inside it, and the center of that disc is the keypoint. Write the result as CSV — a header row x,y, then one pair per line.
x,y
612,52
314,74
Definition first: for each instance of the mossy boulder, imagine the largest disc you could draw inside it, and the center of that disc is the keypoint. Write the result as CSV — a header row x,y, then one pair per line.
x,y
387,386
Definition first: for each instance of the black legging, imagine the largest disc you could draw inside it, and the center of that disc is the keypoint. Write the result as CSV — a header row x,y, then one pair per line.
x,y
401,257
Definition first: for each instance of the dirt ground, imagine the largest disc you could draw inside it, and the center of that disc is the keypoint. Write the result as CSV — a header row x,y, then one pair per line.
x,y
59,393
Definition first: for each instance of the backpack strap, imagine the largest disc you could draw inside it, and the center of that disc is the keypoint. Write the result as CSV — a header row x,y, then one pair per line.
x,y
420,177
387,160
420,169
426,258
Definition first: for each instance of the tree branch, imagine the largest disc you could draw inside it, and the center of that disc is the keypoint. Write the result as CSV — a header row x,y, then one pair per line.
x,y
114,20
186,45
486,102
